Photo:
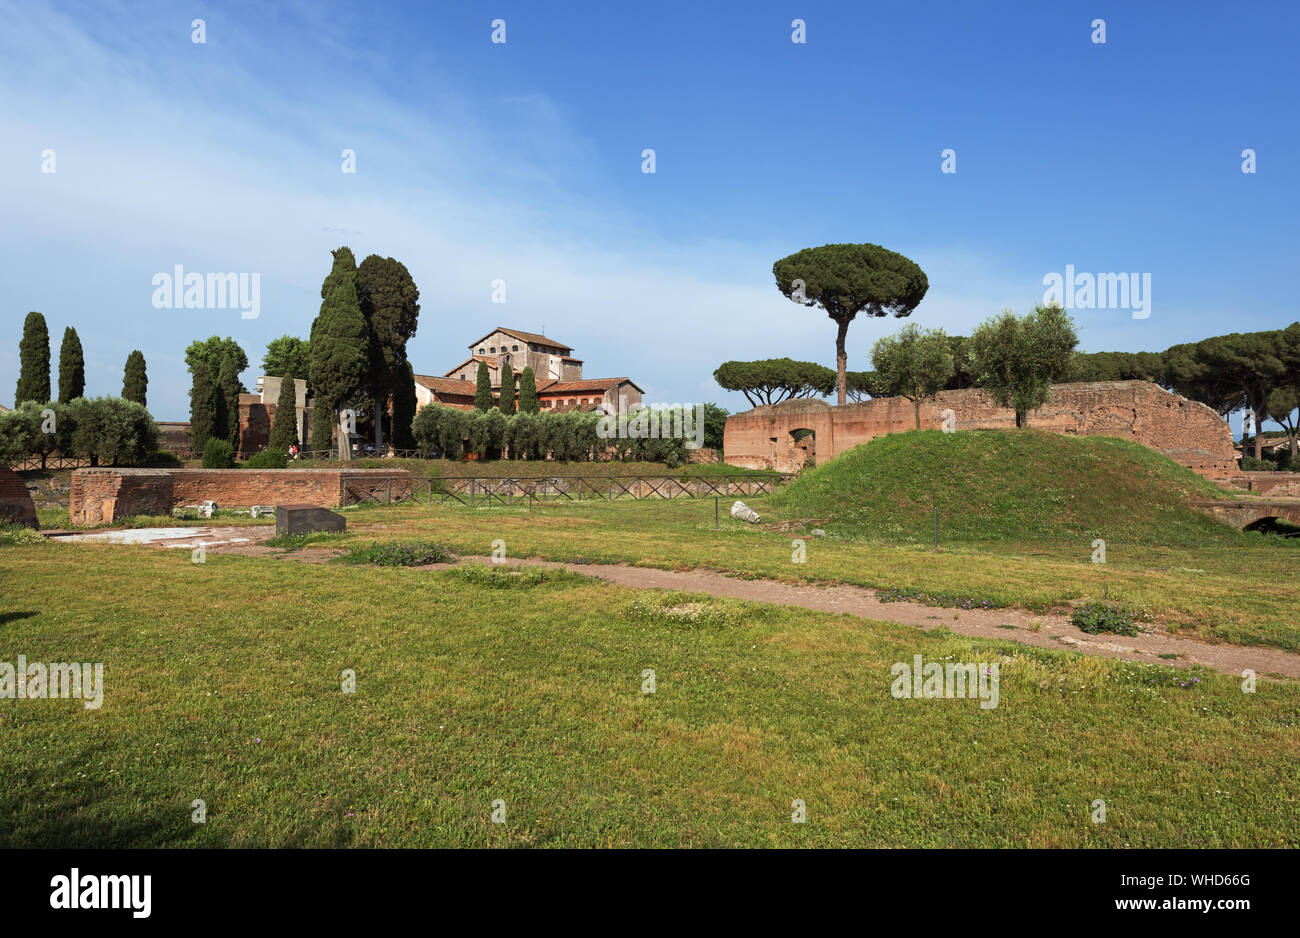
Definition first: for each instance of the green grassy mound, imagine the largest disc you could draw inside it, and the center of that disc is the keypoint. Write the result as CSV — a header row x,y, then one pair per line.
x,y
1006,484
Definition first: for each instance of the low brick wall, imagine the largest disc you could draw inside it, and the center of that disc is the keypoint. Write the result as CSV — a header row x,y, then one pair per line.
x,y
110,494
16,505
240,488
1281,484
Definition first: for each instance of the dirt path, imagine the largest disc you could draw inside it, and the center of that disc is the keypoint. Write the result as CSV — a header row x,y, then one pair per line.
x,y
1045,631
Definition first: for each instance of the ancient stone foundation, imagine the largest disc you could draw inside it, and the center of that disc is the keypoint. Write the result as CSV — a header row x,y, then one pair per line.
x,y
16,504
789,435
110,494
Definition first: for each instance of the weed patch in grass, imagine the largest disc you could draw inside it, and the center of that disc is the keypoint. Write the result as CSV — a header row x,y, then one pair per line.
x,y
678,609
499,577
1098,617
400,554
14,534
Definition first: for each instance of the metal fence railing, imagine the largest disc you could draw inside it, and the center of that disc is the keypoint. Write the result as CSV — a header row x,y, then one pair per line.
x,y
473,491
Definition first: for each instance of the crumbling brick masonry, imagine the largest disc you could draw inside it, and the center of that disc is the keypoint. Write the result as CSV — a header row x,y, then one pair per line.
x,y
775,436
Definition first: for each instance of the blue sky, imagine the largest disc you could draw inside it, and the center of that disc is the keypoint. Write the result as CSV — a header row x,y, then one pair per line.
x,y
522,161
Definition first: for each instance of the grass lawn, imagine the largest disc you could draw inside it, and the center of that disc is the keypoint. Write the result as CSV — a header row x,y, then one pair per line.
x,y
222,682
1234,587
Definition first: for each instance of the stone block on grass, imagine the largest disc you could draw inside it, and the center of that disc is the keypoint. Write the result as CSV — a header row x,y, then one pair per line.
x,y
303,518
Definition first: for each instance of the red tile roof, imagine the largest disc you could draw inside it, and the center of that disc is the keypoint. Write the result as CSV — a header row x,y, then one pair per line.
x,y
590,384
533,337
441,385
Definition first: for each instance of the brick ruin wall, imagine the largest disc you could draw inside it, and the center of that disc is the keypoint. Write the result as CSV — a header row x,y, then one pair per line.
x,y
111,494
16,504
1186,431
1275,484
99,495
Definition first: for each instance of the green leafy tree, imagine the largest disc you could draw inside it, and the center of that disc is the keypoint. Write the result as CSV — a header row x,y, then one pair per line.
x,y
203,408
1018,357
1229,369
340,358
507,401
390,302
404,407
72,367
212,352
135,379
848,279
915,363
287,357
715,426
528,392
228,403
483,388
33,361
772,380
112,431
34,429
1186,373
862,385
962,367
284,426
1281,407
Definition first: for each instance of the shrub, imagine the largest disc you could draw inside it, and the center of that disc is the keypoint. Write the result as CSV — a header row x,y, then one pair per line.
x,y
1251,464
165,459
268,459
1103,617
218,454
401,554
15,534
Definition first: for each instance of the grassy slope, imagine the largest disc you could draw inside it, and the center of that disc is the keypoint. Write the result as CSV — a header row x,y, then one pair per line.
x,y
999,484
223,683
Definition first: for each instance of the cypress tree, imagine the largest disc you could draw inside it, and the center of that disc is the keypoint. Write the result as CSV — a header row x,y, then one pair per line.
x,y
404,407
507,405
322,425
135,383
203,409
528,393
483,390
228,395
72,367
284,428
34,361
340,357
390,302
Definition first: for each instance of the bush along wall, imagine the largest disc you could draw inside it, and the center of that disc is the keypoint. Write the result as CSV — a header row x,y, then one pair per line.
x,y
573,436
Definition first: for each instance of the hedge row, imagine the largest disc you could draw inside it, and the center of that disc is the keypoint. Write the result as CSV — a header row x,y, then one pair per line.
x,y
564,435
